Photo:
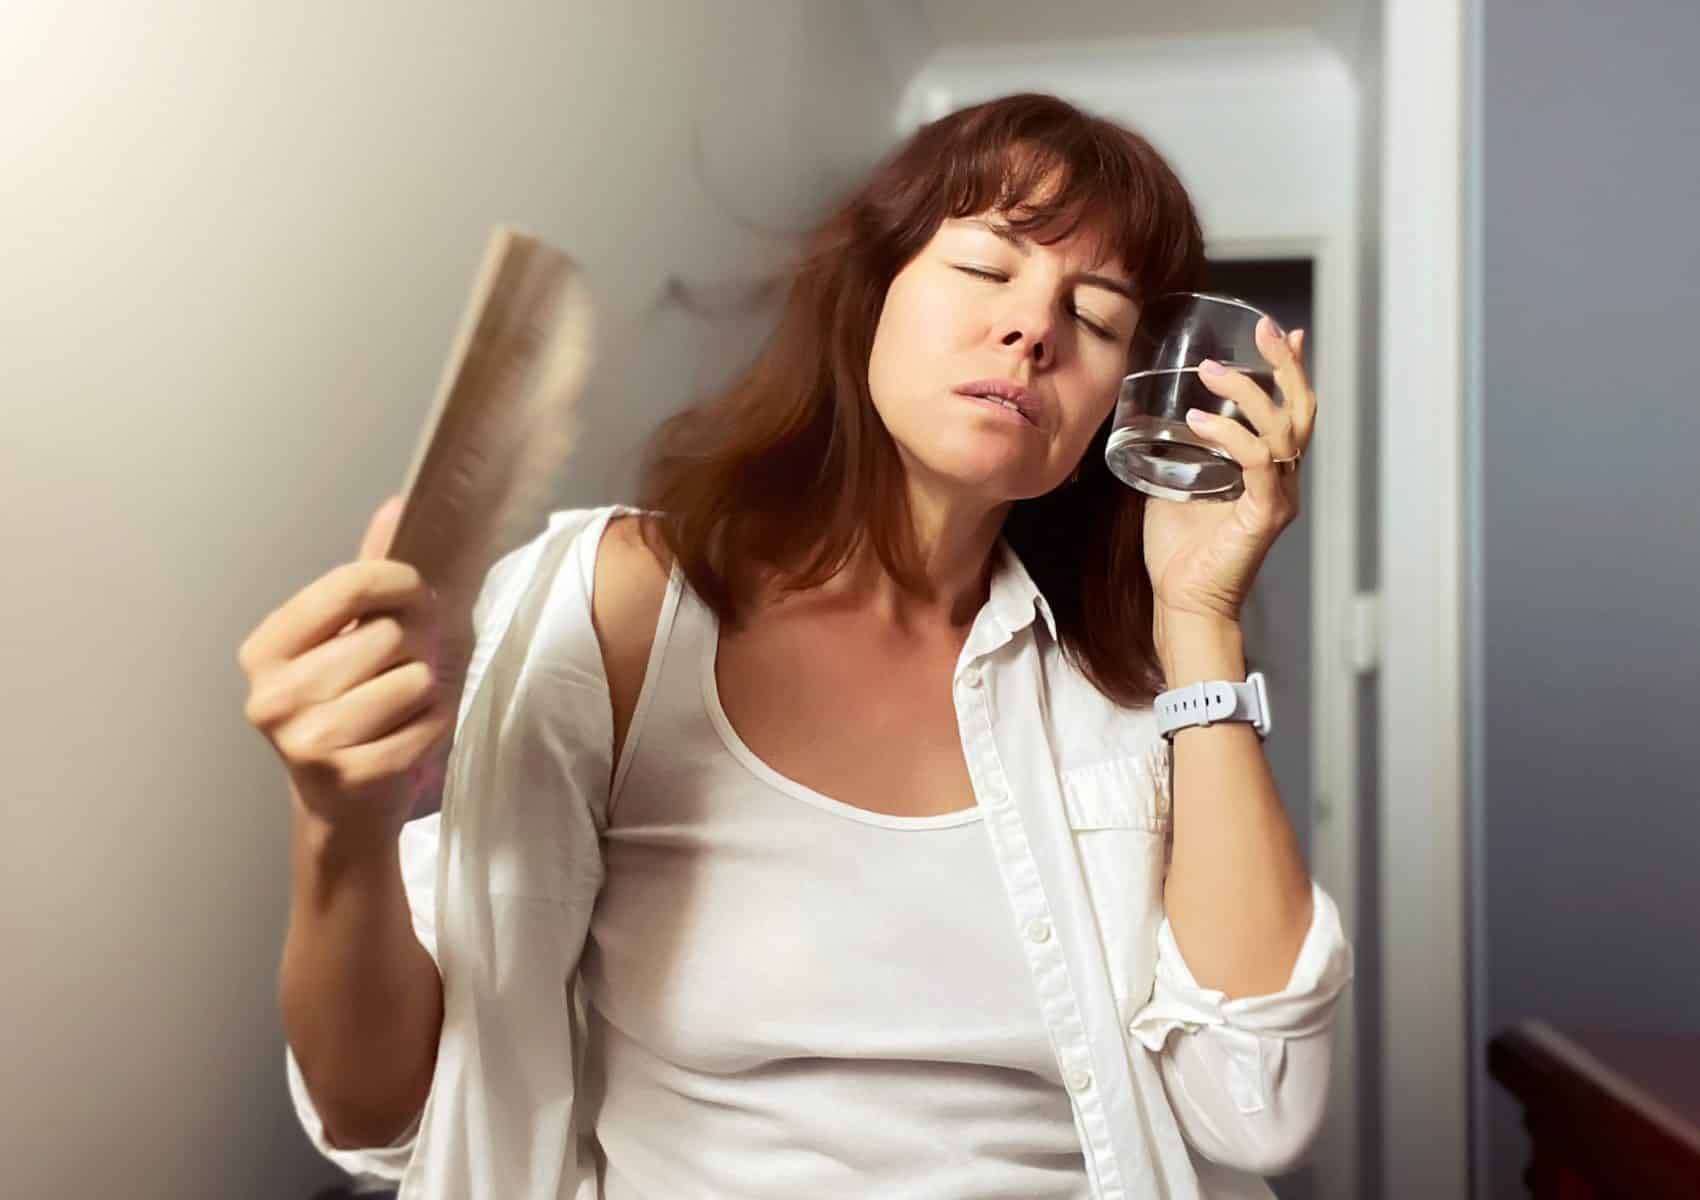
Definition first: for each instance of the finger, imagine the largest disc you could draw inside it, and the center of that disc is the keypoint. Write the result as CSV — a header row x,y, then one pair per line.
x,y
380,530
379,536
1277,350
341,665
419,745
370,712
1304,413
1259,406
1281,351
331,604
1263,479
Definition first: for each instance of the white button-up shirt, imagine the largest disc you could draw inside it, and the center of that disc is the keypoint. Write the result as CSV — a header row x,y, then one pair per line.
x,y
1178,1092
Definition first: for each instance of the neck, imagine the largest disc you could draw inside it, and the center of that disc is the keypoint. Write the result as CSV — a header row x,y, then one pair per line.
x,y
957,541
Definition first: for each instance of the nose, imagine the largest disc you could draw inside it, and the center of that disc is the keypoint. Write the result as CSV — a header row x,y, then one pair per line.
x,y
1034,333
1038,348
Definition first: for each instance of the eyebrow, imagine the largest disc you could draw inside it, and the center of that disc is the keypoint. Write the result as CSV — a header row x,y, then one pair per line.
x,y
1024,246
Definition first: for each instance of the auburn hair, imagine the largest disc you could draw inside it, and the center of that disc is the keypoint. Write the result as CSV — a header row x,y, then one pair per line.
x,y
786,472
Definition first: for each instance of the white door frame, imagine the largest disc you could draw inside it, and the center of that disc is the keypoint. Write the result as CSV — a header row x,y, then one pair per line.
x,y
1425,1000
1340,650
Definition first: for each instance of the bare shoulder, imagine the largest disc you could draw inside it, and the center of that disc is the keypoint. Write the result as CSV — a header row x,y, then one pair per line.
x,y
626,599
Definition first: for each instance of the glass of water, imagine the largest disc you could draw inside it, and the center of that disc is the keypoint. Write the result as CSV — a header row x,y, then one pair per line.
x,y
1151,448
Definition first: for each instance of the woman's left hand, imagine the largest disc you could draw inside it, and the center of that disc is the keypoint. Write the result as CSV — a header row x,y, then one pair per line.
x,y
1202,556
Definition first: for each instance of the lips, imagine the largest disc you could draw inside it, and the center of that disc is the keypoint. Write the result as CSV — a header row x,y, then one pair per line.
x,y
1011,395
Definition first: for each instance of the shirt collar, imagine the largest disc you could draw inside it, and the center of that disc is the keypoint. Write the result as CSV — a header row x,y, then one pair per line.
x,y
1014,595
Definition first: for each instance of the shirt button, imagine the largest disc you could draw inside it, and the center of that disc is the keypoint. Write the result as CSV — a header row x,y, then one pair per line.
x,y
1078,1080
1038,930
971,677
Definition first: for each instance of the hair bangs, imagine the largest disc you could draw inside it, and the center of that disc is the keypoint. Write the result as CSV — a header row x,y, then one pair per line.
x,y
1055,175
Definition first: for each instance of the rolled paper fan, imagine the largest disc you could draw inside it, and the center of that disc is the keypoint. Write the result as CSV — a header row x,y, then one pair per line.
x,y
503,422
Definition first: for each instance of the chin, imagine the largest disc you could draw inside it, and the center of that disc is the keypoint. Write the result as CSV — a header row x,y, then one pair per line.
x,y
978,460
992,477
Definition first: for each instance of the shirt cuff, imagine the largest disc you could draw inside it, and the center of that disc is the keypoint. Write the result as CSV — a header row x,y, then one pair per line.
x,y
375,1163
1304,1007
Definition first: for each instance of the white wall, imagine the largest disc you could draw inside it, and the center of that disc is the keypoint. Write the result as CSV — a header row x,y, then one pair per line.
x,y
1260,127
236,238
1582,280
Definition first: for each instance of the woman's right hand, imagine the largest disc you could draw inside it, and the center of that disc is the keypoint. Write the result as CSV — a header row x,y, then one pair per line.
x,y
342,683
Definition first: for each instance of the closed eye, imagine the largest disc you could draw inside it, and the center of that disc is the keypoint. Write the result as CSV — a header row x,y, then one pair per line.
x,y
1095,328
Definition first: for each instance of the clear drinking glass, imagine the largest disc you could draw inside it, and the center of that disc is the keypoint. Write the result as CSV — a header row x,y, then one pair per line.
x,y
1151,448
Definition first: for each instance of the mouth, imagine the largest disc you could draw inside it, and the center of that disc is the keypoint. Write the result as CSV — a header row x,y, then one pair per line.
x,y
1002,394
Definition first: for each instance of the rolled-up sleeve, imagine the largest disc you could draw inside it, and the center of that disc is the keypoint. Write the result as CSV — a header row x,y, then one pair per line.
x,y
1248,1077
418,850
369,1164
420,840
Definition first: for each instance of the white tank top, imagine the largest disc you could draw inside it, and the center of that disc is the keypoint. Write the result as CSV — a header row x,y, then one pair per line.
x,y
789,996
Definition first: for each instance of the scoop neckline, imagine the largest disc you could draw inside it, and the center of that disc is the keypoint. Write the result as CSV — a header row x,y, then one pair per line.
x,y
757,766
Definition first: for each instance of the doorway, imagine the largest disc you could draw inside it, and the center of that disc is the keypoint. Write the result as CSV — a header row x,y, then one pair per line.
x,y
1277,618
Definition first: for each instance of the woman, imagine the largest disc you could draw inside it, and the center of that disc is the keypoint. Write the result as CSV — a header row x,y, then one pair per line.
x,y
827,782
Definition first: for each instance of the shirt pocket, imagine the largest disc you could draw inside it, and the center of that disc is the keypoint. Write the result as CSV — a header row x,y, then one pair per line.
x,y
1118,793
1120,820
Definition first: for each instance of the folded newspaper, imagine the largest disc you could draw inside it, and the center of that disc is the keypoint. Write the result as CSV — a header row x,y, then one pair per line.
x,y
502,423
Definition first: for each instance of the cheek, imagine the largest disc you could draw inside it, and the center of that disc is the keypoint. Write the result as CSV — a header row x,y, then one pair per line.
x,y
1096,399
885,360
915,324
1090,402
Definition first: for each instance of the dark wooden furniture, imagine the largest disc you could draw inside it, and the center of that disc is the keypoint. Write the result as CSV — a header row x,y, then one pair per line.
x,y
1611,1114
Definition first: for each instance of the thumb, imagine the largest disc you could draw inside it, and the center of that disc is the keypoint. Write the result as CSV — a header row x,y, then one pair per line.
x,y
380,532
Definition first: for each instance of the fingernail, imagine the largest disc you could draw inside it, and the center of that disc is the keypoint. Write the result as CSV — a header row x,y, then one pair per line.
x,y
1298,341
1198,418
1276,327
1211,367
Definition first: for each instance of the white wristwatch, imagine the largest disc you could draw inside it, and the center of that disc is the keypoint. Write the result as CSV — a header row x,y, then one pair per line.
x,y
1210,701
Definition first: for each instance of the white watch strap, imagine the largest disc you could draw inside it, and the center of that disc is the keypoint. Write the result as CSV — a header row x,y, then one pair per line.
x,y
1213,700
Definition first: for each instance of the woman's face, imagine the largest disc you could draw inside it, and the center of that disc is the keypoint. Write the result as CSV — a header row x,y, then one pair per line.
x,y
981,312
